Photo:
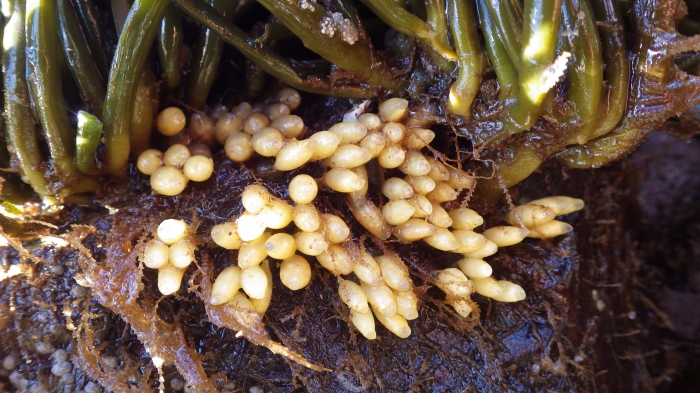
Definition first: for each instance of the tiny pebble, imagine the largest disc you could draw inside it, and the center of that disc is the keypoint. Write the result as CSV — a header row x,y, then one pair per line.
x,y
57,270
177,384
44,348
92,387
256,389
62,368
10,362
60,355
17,379
78,292
110,362
68,379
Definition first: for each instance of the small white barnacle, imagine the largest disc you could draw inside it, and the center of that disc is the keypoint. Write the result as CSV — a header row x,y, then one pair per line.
x,y
307,5
348,32
327,26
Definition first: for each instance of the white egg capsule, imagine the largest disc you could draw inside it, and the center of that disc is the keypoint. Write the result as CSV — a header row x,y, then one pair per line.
x,y
225,286
336,260
453,282
155,254
295,154
254,282
303,189
226,235
306,218
364,322
181,254
504,236
311,243
263,303
381,298
343,180
252,253
249,227
295,273
475,267
169,279
353,296
171,231
281,246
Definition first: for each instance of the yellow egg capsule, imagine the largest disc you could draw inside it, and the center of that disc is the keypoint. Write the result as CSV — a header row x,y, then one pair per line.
x,y
281,246
394,132
276,215
486,250
469,241
295,154
291,126
295,273
531,215
442,193
560,204
238,147
395,188
510,292
459,179
442,240
252,253
254,198
343,180
394,272
371,121
453,282
349,131
336,260
364,322
348,156
415,164
438,170
168,181
414,229
311,243
181,254
550,229
421,184
391,157
198,168
475,267
263,303
367,269
277,110
461,305
254,282
226,235
227,125
327,145
353,296
418,138
226,285
407,305
369,216
255,122
398,211
289,97
423,206
155,254
439,216
334,228
303,189
169,279
465,218
504,236
170,121
176,155
381,298
149,161
374,142
487,286
267,142
394,323
306,218
171,231
393,109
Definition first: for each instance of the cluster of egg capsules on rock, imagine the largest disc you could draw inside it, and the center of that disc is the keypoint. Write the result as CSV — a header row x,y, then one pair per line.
x,y
190,152
414,211
171,253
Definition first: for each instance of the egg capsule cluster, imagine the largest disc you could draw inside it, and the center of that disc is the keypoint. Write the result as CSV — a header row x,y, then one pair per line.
x,y
170,171
415,194
171,252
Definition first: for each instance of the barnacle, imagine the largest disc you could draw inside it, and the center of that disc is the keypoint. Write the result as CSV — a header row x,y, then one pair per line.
x,y
537,79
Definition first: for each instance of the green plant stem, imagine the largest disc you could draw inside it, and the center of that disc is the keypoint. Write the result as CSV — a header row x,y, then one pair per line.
x,y
90,24
406,23
617,65
268,60
170,38
541,24
145,110
44,79
585,68
87,140
509,26
129,58
498,56
206,58
80,61
20,127
470,58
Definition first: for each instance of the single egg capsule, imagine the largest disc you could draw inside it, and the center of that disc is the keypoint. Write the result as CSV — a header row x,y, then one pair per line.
x,y
295,272
170,121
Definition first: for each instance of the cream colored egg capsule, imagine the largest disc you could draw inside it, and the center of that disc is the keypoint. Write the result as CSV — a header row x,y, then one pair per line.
x,y
398,211
254,198
155,254
418,138
353,296
295,273
421,184
415,164
550,229
254,282
393,109
439,216
334,228
170,121
560,204
469,241
414,229
394,272
336,260
252,253
459,179
169,279
367,269
504,236
394,323
181,254
276,215
438,170
198,168
275,111
486,250
244,311
168,181
281,246
465,218
442,240
255,122
475,267
306,218
343,180
461,305
171,231
511,292
267,142
238,147
453,282
487,286
327,144
176,155
263,303
311,243
423,206
374,142
391,157
369,216
303,189
381,298
226,285
289,97
295,154
227,125
395,188
349,131
291,126
531,215
442,193
364,322
249,227
226,235
149,161
372,121
407,304
394,132
348,156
